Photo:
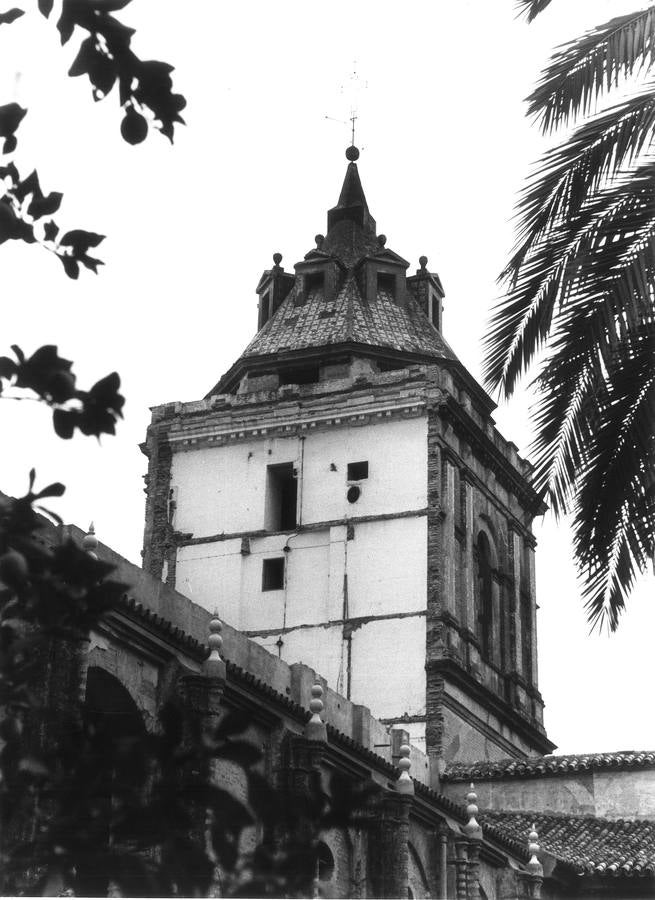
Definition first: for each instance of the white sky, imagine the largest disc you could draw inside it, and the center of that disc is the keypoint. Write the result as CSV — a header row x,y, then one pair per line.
x,y
445,148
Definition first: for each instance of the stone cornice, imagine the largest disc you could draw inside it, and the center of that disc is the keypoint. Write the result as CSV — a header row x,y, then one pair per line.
x,y
284,418
470,477
454,672
513,480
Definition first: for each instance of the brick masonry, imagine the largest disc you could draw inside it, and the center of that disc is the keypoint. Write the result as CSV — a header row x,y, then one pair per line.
x,y
159,546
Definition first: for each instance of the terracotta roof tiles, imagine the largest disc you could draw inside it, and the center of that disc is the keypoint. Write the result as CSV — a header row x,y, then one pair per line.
x,y
549,765
591,845
348,318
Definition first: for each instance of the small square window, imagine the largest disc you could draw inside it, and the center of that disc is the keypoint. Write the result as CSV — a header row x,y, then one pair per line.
x,y
386,283
273,574
357,471
314,281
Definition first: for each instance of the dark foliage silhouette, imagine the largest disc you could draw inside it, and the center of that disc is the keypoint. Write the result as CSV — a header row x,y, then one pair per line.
x,y
580,297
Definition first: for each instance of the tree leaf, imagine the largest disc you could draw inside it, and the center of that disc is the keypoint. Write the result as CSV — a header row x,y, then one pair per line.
x,y
45,206
11,115
11,15
50,231
56,489
71,266
64,422
81,240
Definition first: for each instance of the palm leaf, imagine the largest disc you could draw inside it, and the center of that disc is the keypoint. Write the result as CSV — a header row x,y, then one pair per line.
x,y
531,8
581,286
571,172
582,70
573,386
555,265
614,524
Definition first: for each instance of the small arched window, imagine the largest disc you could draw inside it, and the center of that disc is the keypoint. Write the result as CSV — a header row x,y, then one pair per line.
x,y
526,636
484,594
324,862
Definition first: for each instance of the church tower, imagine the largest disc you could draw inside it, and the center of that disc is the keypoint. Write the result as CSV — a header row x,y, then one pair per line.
x,y
343,497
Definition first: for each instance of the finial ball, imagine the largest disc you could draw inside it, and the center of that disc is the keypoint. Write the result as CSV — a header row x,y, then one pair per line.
x,y
277,258
319,238
352,153
382,239
215,639
423,261
90,541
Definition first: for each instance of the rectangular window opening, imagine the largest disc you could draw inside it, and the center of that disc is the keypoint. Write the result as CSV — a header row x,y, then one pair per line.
x,y
314,281
434,310
388,366
387,283
264,308
281,498
273,574
357,471
299,375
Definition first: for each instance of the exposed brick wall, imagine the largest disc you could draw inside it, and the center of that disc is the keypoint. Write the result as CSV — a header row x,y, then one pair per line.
x,y
434,626
158,543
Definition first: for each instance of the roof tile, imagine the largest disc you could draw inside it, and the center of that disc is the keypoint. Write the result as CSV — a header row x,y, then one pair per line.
x,y
349,318
589,844
549,765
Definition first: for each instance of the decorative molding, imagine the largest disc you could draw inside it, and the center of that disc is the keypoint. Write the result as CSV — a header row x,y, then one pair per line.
x,y
506,473
302,421
529,731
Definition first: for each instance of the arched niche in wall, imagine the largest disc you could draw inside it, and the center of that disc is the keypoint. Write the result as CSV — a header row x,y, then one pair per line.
x,y
484,557
109,707
114,726
334,869
417,880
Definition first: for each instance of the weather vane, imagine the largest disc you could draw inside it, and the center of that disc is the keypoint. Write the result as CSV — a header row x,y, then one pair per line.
x,y
351,88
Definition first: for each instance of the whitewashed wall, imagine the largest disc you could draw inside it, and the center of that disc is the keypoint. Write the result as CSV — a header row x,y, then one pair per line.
x,y
222,491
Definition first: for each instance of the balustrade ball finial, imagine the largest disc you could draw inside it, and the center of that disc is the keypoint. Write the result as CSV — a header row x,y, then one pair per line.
x,y
90,542
404,785
315,729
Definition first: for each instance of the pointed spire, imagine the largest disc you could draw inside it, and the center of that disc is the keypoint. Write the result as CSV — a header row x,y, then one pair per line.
x,y
315,729
352,204
472,829
404,785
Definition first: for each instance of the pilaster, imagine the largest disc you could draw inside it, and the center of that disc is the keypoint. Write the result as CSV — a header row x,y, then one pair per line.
x,y
157,538
393,850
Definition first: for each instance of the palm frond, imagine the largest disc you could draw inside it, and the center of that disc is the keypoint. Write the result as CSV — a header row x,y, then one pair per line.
x,y
583,69
531,8
574,383
571,172
614,523
557,265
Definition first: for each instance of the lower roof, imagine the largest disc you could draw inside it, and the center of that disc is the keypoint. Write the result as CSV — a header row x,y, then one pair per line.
x,y
589,844
534,766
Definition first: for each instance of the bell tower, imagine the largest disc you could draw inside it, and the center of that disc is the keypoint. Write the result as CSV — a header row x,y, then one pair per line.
x,y
344,497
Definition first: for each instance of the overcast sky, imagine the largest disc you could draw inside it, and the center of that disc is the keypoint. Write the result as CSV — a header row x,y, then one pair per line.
x,y
445,149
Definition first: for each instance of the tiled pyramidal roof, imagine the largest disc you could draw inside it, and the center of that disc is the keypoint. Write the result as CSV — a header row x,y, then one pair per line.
x,y
348,319
591,845
307,316
549,765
